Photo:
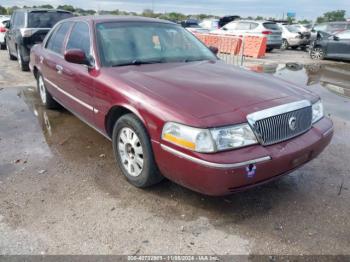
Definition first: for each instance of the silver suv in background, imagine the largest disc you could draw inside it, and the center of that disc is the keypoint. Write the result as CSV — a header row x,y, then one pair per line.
x,y
256,28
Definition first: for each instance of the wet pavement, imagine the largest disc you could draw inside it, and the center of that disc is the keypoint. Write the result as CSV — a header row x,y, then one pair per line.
x,y
62,193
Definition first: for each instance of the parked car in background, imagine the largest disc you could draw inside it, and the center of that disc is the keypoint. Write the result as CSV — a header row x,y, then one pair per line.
x,y
260,28
332,27
193,26
293,38
171,108
3,24
331,46
28,27
210,24
228,19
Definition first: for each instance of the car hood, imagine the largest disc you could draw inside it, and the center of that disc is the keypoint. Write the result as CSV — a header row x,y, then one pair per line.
x,y
203,89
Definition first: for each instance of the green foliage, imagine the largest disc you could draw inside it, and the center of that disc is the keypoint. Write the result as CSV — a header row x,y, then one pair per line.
x,y
332,16
259,18
67,8
3,10
11,9
304,22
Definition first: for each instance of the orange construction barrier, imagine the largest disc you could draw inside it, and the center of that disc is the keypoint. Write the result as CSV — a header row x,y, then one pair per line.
x,y
254,46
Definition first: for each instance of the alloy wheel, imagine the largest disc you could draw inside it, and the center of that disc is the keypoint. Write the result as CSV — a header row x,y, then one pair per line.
x,y
284,44
42,90
317,53
130,151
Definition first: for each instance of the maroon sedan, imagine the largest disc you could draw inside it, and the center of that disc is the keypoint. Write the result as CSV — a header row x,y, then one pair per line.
x,y
172,108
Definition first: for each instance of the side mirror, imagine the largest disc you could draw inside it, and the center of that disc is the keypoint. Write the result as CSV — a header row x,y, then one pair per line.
x,y
76,56
7,24
214,50
335,38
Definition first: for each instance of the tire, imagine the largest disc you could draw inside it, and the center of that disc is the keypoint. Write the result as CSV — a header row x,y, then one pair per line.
x,y
45,96
133,152
284,45
317,53
23,66
3,46
294,47
11,57
269,50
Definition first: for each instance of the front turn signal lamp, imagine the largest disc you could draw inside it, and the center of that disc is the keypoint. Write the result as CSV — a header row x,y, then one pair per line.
x,y
209,140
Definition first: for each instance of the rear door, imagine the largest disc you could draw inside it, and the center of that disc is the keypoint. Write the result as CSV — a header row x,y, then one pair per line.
x,y
53,56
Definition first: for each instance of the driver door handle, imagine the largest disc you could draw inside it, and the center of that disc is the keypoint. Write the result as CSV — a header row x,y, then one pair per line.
x,y
59,69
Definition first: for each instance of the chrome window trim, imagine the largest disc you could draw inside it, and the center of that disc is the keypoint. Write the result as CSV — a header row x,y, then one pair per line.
x,y
277,110
212,164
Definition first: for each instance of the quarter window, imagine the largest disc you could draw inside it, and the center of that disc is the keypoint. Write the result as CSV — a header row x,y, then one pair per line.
x,y
55,43
80,38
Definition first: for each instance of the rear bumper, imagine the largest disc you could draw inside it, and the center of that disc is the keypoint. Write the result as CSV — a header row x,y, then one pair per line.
x,y
298,42
227,172
274,45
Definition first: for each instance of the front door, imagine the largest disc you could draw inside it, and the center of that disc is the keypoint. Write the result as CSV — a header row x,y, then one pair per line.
x,y
77,79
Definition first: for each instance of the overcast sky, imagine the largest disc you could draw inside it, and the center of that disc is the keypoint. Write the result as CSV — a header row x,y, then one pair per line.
x,y
275,8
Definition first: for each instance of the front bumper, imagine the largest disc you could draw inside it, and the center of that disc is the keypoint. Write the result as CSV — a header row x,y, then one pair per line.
x,y
227,172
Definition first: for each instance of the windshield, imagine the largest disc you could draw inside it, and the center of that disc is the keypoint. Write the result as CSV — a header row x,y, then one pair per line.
x,y
124,43
46,19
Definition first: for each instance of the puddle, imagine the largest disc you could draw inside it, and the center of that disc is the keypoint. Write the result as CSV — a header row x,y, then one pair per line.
x,y
334,77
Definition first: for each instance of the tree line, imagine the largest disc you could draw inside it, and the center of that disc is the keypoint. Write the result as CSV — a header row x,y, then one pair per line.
x,y
331,16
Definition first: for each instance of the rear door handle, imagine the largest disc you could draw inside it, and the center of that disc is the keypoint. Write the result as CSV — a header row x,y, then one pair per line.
x,y
59,69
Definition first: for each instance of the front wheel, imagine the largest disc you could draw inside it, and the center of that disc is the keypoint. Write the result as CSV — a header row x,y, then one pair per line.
x,y
317,53
285,44
133,152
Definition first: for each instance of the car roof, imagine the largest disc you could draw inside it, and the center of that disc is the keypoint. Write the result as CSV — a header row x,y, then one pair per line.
x,y
28,10
115,18
254,21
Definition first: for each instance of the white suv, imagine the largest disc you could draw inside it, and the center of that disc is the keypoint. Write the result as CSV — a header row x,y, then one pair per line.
x,y
259,28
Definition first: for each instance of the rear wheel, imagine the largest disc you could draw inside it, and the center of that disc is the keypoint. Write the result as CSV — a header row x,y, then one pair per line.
x,y
133,152
317,53
11,57
24,66
45,96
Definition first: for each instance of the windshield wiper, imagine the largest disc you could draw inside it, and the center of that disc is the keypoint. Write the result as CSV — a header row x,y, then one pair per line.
x,y
139,62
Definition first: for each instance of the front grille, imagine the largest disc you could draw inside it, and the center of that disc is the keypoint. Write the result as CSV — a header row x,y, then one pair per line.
x,y
279,128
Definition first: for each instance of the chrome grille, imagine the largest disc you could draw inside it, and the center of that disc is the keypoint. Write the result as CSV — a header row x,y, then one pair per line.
x,y
277,126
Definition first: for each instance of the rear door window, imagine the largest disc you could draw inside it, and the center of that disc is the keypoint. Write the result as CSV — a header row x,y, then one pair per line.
x,y
271,26
80,38
243,26
56,40
46,19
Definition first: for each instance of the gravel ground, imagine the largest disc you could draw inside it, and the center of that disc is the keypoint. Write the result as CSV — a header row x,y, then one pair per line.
x,y
62,193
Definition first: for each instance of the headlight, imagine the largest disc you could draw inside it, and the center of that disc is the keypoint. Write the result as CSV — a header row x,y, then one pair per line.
x,y
195,139
233,137
208,140
317,111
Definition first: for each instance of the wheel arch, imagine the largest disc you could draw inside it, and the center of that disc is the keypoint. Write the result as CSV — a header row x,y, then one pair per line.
x,y
117,111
